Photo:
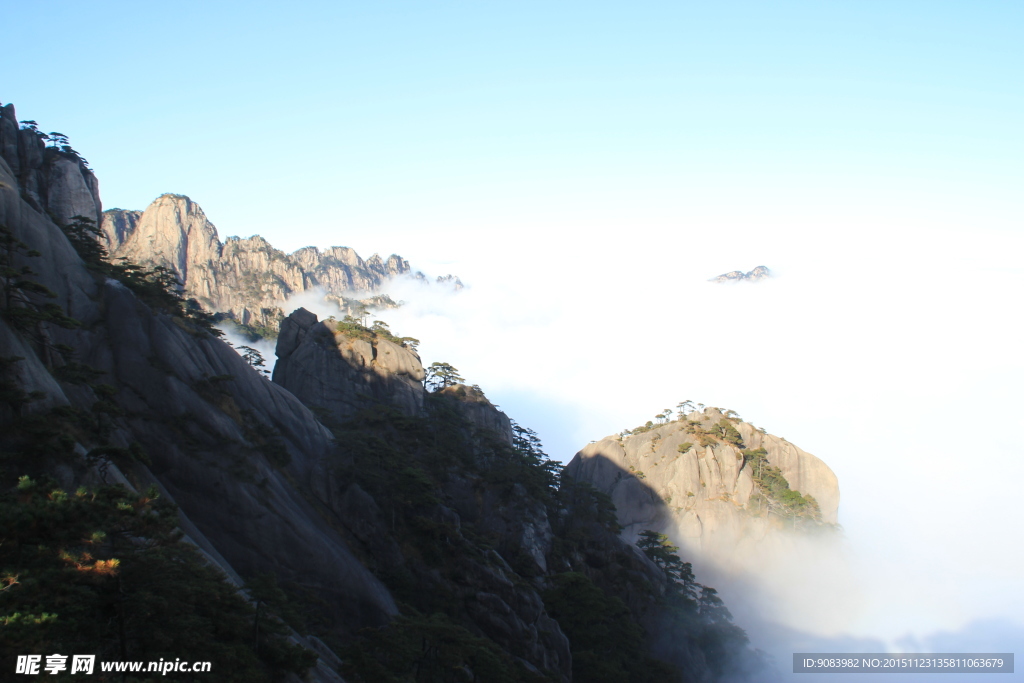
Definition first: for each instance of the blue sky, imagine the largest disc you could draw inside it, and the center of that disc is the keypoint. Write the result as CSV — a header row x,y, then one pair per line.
x,y
366,121
585,167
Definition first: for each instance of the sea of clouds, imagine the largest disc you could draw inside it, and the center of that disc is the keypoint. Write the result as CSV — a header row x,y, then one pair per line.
x,y
893,354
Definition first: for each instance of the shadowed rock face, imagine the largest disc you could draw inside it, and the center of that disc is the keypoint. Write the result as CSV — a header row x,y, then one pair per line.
x,y
52,182
246,278
232,449
342,374
700,496
479,411
254,474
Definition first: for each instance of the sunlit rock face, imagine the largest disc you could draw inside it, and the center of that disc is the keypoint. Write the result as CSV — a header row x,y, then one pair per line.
x,y
248,279
704,498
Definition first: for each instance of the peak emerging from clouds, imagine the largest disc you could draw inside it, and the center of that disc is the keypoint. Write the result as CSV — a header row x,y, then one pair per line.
x,y
756,275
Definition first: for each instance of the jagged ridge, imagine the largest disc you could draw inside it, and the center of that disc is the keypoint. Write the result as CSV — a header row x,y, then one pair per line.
x,y
246,279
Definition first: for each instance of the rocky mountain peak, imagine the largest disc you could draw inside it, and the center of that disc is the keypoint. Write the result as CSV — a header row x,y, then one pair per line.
x,y
244,279
715,483
342,368
173,232
54,180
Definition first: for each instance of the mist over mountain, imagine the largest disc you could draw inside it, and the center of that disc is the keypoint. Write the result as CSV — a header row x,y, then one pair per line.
x,y
359,517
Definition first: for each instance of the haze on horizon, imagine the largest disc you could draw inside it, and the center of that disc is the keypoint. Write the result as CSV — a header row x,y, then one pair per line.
x,y
584,169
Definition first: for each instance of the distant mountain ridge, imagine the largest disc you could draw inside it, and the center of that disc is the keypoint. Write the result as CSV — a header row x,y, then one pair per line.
x,y
755,275
244,279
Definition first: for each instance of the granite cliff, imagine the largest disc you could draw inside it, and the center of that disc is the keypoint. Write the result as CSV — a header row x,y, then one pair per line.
x,y
718,486
246,280
54,180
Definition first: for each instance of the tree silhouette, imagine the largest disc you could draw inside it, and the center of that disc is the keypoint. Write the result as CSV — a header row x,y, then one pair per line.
x,y
684,408
32,126
84,234
22,305
663,554
441,375
254,358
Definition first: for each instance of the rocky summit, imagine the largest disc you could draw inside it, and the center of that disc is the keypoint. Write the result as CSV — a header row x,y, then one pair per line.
x,y
716,484
246,280
357,517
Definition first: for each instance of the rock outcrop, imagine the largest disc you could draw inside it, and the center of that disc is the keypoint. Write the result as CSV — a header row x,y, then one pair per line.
x,y
246,279
341,373
755,275
53,180
704,498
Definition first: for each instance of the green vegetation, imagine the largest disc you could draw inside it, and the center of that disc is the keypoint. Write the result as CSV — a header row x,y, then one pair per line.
x,y
158,287
382,330
705,437
607,644
726,432
637,473
429,648
355,329
695,612
254,358
664,554
773,494
253,331
683,408
441,376
24,300
102,571
405,463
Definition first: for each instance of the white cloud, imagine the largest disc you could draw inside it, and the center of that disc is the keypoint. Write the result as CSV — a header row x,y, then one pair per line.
x,y
892,353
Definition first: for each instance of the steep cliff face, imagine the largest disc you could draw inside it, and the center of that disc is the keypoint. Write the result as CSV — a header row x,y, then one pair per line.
x,y
342,373
233,450
711,498
53,181
247,279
